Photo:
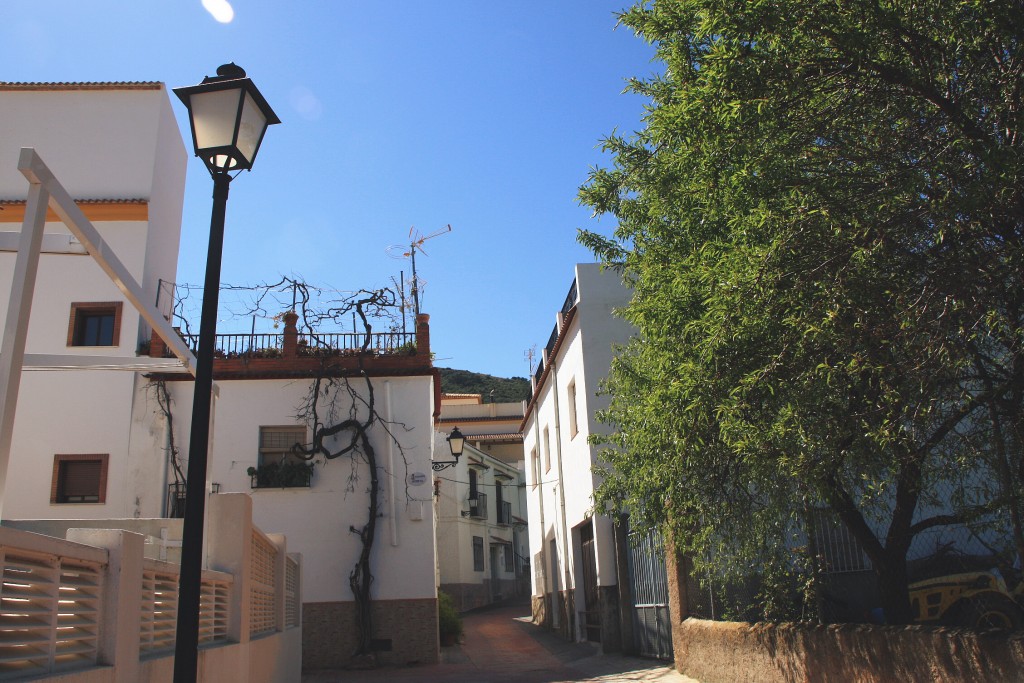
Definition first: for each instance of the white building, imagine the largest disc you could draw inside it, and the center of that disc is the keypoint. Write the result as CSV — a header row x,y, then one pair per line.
x,y
574,568
95,444
118,151
481,526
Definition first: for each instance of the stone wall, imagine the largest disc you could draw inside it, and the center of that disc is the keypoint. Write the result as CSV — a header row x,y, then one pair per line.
x,y
541,608
734,652
728,652
405,632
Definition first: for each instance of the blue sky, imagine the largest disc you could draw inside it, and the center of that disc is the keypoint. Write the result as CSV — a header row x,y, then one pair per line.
x,y
481,114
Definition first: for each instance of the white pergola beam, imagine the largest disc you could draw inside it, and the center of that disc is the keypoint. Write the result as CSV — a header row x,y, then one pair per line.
x,y
45,190
12,352
52,243
33,168
56,361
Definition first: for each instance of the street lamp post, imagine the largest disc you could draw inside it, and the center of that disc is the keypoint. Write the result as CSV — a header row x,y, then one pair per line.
x,y
228,116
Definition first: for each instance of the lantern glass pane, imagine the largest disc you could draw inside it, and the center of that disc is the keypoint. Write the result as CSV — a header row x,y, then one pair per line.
x,y
254,122
213,117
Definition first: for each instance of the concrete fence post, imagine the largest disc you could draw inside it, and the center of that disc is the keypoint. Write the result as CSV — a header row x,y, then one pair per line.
x,y
280,587
121,618
229,549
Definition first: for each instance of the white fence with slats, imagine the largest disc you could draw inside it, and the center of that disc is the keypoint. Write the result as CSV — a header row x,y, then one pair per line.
x,y
262,612
292,606
53,593
49,608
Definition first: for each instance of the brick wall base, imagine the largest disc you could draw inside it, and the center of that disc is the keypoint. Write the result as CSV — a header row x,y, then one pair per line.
x,y
329,633
467,596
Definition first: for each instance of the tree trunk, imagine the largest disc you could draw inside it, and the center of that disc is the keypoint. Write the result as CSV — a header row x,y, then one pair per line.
x,y
892,587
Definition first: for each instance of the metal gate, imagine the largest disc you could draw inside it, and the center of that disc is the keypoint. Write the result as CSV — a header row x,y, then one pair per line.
x,y
649,584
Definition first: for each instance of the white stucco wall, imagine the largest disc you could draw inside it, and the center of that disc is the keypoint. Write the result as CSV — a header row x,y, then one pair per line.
x,y
316,520
583,359
455,531
109,142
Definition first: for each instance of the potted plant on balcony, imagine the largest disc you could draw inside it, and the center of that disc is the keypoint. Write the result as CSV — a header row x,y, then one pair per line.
x,y
281,475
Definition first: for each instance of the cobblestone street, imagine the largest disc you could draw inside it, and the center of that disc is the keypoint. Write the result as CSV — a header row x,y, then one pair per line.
x,y
500,645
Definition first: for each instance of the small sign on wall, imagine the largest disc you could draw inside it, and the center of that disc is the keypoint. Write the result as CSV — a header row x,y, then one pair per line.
x,y
416,479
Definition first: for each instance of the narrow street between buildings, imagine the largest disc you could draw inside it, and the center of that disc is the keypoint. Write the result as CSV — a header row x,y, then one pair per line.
x,y
500,645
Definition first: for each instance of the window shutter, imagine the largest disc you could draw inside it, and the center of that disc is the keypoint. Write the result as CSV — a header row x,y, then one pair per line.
x,y
81,478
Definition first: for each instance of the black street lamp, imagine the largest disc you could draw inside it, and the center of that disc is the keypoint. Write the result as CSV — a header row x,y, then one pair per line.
x,y
228,116
456,442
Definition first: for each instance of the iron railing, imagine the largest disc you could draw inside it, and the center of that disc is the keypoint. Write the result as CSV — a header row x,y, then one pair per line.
x,y
331,343
570,300
478,506
550,346
308,345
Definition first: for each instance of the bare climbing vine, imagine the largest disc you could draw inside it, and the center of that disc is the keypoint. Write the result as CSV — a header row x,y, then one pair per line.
x,y
342,418
341,404
163,400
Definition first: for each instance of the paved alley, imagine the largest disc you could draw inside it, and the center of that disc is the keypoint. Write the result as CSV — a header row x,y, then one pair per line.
x,y
500,645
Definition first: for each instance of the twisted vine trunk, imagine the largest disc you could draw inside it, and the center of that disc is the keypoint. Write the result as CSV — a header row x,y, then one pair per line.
x,y
361,579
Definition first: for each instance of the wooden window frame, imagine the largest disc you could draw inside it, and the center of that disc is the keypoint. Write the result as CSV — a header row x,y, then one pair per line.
x,y
103,458
95,307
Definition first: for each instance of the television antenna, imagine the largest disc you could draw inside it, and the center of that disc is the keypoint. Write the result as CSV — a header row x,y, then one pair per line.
x,y
399,251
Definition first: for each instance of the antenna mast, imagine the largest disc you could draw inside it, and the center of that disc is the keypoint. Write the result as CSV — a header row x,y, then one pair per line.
x,y
416,244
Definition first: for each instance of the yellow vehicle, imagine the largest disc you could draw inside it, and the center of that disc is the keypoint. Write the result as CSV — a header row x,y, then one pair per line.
x,y
976,600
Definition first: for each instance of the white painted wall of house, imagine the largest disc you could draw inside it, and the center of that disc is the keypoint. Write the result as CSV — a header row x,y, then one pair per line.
x,y
584,358
455,531
316,520
101,144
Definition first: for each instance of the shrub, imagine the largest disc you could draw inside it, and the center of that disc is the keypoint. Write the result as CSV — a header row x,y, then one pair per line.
x,y
448,620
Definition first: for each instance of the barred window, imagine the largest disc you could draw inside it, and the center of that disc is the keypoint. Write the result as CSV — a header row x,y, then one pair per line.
x,y
838,549
276,444
478,553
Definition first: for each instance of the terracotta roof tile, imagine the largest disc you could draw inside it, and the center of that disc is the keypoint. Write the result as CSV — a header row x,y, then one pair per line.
x,y
21,202
507,438
54,86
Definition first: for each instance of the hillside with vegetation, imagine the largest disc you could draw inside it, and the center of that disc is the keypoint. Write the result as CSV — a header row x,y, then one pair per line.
x,y
506,390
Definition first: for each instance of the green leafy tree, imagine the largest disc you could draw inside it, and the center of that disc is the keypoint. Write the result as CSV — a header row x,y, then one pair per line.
x,y
822,221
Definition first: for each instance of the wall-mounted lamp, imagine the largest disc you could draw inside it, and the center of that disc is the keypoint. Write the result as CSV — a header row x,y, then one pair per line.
x,y
456,442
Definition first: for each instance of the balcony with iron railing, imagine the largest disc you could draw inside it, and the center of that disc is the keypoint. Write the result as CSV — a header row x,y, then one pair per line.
x,y
309,346
477,507
403,349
